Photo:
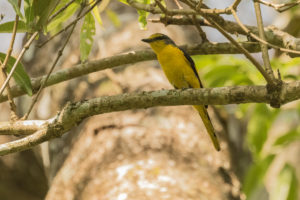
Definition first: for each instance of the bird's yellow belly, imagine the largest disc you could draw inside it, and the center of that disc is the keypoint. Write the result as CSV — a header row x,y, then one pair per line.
x,y
177,69
174,73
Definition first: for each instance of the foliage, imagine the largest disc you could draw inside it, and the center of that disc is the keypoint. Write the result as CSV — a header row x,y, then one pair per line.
x,y
217,71
86,36
37,17
20,75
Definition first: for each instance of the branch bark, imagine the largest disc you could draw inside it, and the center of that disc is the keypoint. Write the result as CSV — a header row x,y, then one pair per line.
x,y
74,113
273,35
124,59
21,128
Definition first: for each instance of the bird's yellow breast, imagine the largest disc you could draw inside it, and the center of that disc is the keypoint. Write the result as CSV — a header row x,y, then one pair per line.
x,y
177,68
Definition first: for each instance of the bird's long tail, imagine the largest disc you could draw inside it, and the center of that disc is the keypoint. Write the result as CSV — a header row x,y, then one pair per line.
x,y
209,127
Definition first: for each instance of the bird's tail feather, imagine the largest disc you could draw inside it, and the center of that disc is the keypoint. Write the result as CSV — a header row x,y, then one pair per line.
x,y
209,127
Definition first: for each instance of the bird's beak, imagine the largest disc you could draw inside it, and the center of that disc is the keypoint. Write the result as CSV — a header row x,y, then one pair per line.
x,y
146,40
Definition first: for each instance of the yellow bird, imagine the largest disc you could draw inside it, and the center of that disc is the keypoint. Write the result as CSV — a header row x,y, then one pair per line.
x,y
180,70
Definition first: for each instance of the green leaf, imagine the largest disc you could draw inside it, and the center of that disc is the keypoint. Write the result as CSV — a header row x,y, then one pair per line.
x,y
202,61
97,15
143,19
86,36
56,24
37,13
291,77
14,4
96,11
143,15
29,14
218,75
255,175
124,1
113,17
287,138
225,70
42,10
19,75
241,80
286,186
258,127
7,27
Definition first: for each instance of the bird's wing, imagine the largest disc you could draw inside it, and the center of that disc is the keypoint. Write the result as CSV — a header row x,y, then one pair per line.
x,y
192,64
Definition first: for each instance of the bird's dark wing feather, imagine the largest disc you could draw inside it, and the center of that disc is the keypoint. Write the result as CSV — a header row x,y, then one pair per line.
x,y
192,64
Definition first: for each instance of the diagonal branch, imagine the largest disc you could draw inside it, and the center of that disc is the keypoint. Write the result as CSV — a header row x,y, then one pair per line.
x,y
288,43
71,24
74,113
3,67
59,54
243,50
280,7
254,36
264,47
26,46
217,26
273,34
60,10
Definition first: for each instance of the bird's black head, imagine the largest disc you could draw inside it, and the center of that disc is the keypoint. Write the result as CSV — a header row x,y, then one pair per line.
x,y
158,37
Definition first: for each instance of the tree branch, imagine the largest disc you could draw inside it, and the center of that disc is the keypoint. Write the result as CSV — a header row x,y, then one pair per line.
x,y
13,107
59,54
280,7
124,59
264,47
172,12
26,46
273,35
74,113
19,128
242,49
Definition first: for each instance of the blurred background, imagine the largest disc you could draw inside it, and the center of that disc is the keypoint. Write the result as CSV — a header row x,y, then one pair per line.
x,y
162,152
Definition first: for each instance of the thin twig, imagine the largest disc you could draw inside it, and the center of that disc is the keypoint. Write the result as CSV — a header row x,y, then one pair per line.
x,y
60,11
13,107
279,7
199,5
69,25
192,4
178,4
274,35
171,12
59,54
26,46
248,32
193,19
243,50
200,30
150,8
235,4
264,47
161,6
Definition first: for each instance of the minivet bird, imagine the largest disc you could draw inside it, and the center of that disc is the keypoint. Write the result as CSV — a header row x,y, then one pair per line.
x,y
180,70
